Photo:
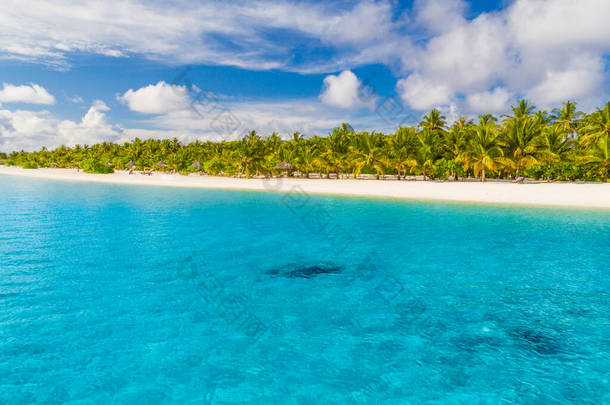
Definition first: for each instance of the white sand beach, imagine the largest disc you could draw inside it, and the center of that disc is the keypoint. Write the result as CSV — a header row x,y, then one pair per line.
x,y
539,194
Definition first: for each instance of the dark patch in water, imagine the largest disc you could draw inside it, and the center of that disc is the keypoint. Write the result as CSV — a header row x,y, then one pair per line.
x,y
305,271
538,341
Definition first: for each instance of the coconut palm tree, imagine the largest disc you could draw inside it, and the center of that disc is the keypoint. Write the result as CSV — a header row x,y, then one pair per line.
x,y
555,143
368,151
401,150
523,109
455,141
484,152
597,125
337,147
520,141
598,155
425,155
567,117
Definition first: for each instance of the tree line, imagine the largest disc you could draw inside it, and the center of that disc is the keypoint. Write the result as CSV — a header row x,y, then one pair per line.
x,y
565,144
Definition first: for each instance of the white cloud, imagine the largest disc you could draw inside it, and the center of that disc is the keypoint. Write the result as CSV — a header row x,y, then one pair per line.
x,y
439,15
345,90
156,99
31,94
422,94
494,101
30,130
178,32
578,81
555,24
75,99
548,50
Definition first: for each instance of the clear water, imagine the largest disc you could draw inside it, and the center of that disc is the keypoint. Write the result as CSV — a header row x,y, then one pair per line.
x,y
118,294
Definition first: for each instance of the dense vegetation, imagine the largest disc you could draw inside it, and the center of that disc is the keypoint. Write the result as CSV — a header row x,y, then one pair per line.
x,y
563,145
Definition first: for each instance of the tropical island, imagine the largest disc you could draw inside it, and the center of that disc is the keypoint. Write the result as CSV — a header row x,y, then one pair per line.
x,y
564,145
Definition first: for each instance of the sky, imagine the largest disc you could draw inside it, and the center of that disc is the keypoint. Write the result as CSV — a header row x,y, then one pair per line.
x,y
83,72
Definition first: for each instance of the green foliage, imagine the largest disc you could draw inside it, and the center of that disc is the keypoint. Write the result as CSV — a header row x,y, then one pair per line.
x,y
94,166
565,145
30,165
562,171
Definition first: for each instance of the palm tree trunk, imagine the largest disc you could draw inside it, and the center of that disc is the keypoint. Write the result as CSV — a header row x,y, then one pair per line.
x,y
483,174
606,175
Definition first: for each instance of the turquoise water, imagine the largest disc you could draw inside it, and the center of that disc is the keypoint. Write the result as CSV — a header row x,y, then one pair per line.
x,y
119,294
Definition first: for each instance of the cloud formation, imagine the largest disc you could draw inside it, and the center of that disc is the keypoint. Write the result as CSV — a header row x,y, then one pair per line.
x,y
30,130
31,94
547,50
156,99
440,53
345,90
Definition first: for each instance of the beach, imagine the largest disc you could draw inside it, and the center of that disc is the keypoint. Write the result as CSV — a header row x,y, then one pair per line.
x,y
584,195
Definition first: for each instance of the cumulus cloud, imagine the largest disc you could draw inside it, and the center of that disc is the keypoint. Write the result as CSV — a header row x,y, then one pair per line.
x,y
421,93
547,50
156,99
494,101
30,130
345,90
31,94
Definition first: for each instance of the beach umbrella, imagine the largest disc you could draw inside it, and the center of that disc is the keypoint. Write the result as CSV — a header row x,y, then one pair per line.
x,y
284,166
161,164
197,164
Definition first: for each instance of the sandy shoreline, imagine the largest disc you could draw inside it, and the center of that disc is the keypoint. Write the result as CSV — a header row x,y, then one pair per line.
x,y
543,194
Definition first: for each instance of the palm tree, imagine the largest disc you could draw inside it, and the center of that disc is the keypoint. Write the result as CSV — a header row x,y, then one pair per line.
x,y
400,150
523,109
598,155
555,143
484,152
520,140
369,151
249,154
425,150
567,117
337,147
597,125
455,141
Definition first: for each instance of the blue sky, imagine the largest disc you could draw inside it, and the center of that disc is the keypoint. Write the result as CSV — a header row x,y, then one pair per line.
x,y
81,72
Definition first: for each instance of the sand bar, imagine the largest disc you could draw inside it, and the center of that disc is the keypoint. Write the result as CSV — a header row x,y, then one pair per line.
x,y
539,194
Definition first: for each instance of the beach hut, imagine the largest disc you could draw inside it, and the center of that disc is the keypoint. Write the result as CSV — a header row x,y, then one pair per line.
x,y
197,165
130,164
160,164
285,167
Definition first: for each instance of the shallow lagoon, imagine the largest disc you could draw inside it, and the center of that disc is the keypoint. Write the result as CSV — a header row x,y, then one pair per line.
x,y
153,295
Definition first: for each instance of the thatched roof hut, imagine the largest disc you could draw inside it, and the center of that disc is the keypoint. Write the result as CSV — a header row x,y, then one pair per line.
x,y
284,166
